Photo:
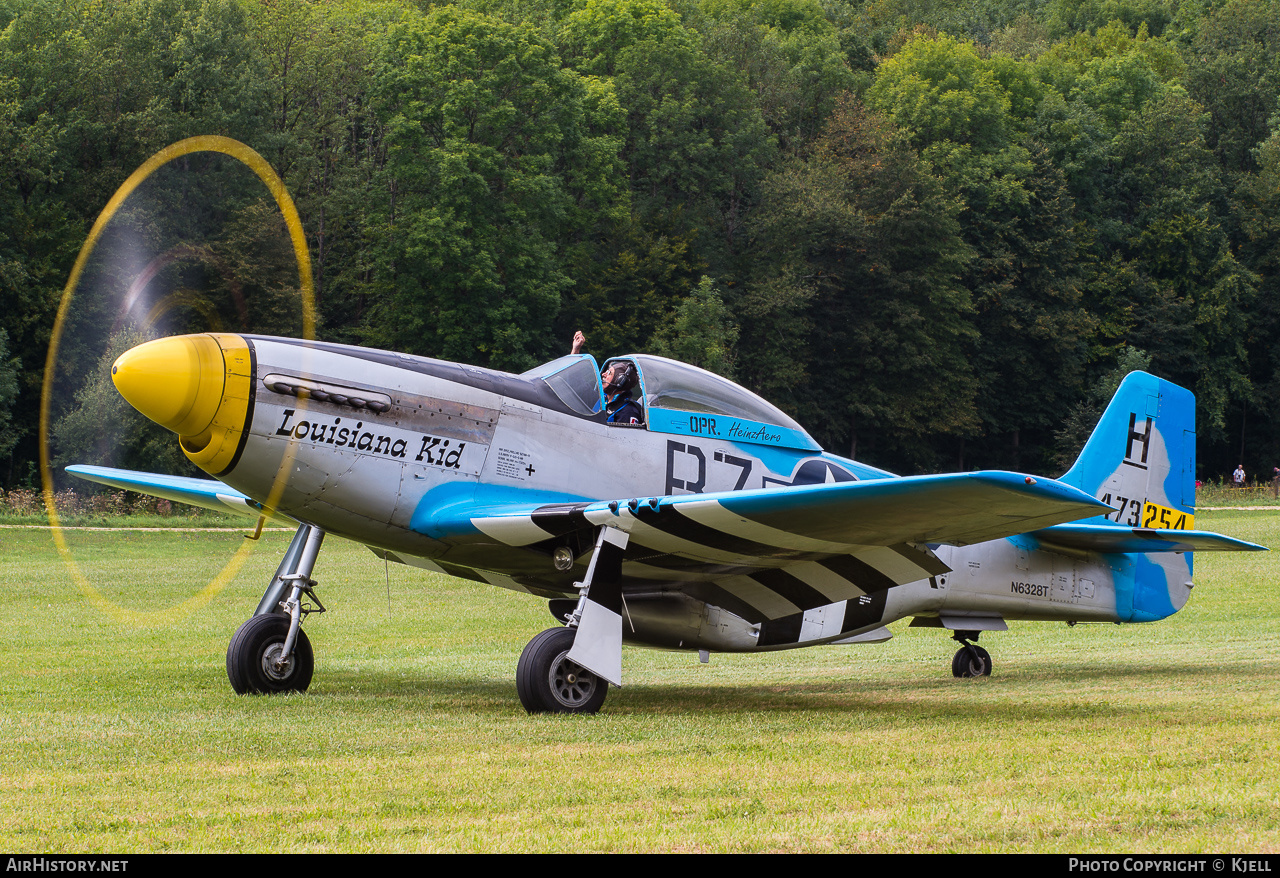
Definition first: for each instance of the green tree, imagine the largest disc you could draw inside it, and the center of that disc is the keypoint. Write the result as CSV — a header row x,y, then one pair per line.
x,y
703,332
1235,74
788,53
492,167
1085,414
1088,16
324,139
865,256
970,119
88,91
628,285
1256,205
9,367
595,36
1186,295
695,148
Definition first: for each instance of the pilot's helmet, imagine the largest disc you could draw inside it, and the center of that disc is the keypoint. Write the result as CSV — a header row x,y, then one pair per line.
x,y
624,376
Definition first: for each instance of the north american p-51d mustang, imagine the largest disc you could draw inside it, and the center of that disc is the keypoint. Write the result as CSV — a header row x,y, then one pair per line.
x,y
711,521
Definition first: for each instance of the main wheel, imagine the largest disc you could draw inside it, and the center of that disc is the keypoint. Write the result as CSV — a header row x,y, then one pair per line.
x,y
256,664
965,665
548,682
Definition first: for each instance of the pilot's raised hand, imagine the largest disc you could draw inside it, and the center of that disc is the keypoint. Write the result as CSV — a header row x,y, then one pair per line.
x,y
578,341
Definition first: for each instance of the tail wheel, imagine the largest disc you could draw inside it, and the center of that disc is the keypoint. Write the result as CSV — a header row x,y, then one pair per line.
x,y
548,682
256,664
971,660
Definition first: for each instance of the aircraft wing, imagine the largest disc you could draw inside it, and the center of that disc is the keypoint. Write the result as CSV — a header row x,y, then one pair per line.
x,y
206,493
1100,538
957,509
767,554
773,553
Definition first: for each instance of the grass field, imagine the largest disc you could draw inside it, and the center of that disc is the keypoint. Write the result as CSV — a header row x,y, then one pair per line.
x,y
1096,738
1216,495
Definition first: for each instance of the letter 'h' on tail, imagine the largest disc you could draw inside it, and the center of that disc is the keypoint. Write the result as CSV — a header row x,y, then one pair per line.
x,y
1141,458
1140,461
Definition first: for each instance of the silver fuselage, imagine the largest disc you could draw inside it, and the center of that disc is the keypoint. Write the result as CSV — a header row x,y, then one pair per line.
x,y
452,435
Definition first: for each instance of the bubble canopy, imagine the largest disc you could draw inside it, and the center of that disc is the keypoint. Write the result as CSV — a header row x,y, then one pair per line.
x,y
678,398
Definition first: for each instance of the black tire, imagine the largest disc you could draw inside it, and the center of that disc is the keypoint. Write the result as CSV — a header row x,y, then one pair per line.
x,y
252,652
547,682
965,665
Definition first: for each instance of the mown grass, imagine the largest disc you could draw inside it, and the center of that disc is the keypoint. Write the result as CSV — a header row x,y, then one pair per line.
x,y
1096,738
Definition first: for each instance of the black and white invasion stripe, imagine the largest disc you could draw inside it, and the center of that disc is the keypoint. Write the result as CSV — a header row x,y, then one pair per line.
x,y
754,570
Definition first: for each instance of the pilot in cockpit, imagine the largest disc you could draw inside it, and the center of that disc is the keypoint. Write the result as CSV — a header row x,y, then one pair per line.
x,y
618,378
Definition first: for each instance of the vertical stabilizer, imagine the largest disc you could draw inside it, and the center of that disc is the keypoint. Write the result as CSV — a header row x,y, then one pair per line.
x,y
1141,458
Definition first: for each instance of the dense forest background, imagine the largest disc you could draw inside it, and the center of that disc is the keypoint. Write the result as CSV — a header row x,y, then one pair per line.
x,y
935,232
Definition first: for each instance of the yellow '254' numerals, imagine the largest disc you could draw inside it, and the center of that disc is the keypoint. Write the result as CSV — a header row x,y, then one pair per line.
x,y
1156,516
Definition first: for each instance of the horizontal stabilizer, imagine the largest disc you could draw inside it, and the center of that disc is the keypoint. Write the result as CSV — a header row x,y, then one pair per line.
x,y
1140,540
205,493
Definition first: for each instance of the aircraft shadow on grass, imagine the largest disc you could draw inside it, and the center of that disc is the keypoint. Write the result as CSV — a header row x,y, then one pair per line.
x,y
924,698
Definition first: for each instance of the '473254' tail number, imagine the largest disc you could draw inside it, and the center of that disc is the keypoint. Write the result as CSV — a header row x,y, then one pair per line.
x,y
1143,513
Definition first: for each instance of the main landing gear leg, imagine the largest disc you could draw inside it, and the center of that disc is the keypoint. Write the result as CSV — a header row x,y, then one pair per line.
x,y
568,670
270,652
970,660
